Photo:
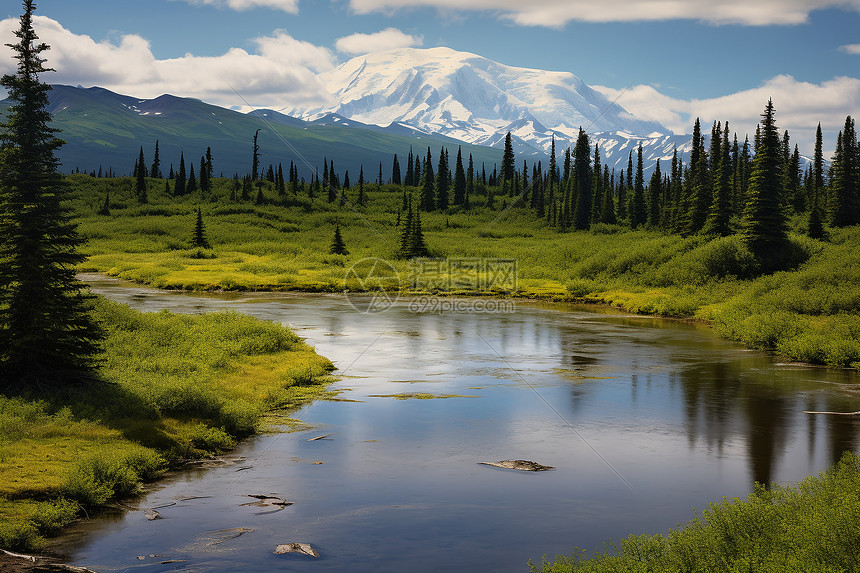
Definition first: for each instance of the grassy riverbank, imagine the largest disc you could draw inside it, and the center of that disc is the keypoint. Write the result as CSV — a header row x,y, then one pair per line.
x,y
813,527
808,313
171,387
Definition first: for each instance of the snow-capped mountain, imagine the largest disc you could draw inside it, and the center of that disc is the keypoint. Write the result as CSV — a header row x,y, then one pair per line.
x,y
476,100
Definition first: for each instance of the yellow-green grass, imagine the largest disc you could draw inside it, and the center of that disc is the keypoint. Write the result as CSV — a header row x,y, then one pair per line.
x,y
170,387
808,312
813,526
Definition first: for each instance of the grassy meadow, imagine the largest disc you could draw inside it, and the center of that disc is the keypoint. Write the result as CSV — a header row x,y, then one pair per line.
x,y
171,388
808,313
813,526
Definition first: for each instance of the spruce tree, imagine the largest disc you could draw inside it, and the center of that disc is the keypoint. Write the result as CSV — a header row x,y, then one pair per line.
x,y
47,336
582,178
155,170
338,247
427,200
140,187
198,238
655,193
470,182
597,186
255,158
105,208
638,209
763,224
410,170
192,181
442,180
417,245
845,182
395,172
179,188
406,229
720,212
459,180
508,160
204,180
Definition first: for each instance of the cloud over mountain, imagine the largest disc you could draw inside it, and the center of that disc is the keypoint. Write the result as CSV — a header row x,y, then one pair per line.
x,y
557,13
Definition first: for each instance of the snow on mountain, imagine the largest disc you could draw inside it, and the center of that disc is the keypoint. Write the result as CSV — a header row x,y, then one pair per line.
x,y
473,99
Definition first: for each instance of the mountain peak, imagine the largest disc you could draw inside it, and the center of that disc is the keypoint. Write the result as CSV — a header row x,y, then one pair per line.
x,y
471,98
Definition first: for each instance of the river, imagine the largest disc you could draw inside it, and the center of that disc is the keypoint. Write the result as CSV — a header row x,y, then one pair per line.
x,y
643,420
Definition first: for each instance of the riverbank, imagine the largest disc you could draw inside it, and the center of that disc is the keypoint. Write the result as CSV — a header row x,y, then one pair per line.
x,y
170,388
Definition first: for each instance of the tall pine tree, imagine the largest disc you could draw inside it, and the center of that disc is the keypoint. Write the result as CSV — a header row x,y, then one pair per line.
x,y
763,224
47,336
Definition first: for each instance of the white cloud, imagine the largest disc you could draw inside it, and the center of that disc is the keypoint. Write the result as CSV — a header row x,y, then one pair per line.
x,y
281,73
556,13
387,39
800,106
850,49
291,6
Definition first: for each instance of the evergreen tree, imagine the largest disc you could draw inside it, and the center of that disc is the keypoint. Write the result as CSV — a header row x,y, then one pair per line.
x,y
597,186
209,171
427,200
720,212
763,224
508,160
410,170
845,179
697,196
155,170
192,181
338,247
459,180
198,239
655,193
582,178
140,187
815,222
46,333
255,158
280,183
395,172
406,229
204,180
818,161
246,187
551,176
609,215
442,182
638,209
470,182
417,245
105,208
361,185
179,188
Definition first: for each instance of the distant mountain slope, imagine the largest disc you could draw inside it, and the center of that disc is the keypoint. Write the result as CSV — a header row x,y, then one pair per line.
x,y
473,99
105,129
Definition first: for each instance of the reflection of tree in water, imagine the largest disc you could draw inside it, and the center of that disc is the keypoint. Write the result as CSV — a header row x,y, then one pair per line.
x,y
722,402
841,431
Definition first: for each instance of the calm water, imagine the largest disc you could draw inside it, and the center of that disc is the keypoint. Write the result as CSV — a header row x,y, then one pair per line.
x,y
643,420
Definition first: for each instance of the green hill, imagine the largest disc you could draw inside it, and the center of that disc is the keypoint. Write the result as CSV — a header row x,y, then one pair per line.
x,y
106,130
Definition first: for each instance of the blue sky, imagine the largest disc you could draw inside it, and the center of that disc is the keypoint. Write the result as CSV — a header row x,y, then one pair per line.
x,y
677,59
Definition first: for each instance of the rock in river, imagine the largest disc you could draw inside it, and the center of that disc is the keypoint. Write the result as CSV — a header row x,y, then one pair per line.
x,y
522,465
